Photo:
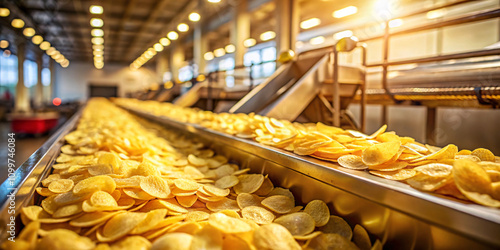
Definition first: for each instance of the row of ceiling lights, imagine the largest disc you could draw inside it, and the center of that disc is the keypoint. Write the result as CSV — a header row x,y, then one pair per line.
x,y
36,39
97,36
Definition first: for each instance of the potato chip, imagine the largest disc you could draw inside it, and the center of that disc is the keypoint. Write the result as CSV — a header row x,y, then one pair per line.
x,y
274,236
100,169
278,203
319,211
207,238
398,175
155,186
186,185
137,193
196,161
282,191
484,154
61,186
249,183
64,239
50,178
437,170
258,214
68,210
380,153
447,152
352,162
224,204
227,181
361,238
153,218
241,171
427,183
464,152
324,241
95,183
468,157
173,241
266,187
215,191
29,233
187,201
224,170
495,190
110,159
299,223
102,199
246,200
92,219
337,225
132,243
197,216
49,205
120,225
390,166
33,213
228,224
470,177
44,191
233,242
207,198
193,173
170,220
480,198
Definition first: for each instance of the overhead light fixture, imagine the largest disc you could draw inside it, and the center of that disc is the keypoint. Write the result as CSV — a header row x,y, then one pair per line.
x,y
51,51
65,63
96,22
98,52
45,45
6,53
249,42
4,44
395,23
309,23
194,17
97,47
56,55
164,41
37,39
17,23
347,11
182,27
97,32
4,12
60,59
219,52
433,14
98,59
208,56
230,48
97,40
158,47
99,65
317,40
342,34
268,35
213,1
172,35
96,9
29,32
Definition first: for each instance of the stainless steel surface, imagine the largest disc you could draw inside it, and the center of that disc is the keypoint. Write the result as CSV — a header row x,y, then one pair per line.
x,y
403,217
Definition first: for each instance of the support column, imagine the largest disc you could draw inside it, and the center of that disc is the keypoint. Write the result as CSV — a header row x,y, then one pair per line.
x,y
22,103
287,27
161,65
200,48
176,59
240,30
38,100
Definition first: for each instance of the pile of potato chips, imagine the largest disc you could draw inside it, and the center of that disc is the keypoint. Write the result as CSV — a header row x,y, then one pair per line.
x,y
469,175
124,183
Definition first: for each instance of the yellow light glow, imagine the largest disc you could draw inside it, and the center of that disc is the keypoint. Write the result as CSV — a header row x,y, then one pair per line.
x,y
309,23
99,65
44,45
164,41
182,27
4,44
98,59
230,48
268,35
249,42
347,11
158,47
96,9
219,52
213,1
56,55
194,17
97,32
29,32
172,35
342,34
97,40
168,85
17,23
65,63
395,23
37,39
201,78
433,14
317,40
97,47
51,51
4,12
96,22
208,56
60,59
100,52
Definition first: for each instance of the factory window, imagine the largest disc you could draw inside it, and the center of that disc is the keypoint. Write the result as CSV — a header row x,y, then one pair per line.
x,y
8,73
259,56
46,77
185,73
253,57
30,73
268,54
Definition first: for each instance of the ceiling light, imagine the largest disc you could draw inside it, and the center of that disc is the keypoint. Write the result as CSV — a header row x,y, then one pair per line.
x,y
172,35
4,12
60,59
37,39
317,40
395,23
309,23
230,48
98,59
342,34
51,51
158,47
99,65
45,45
29,32
208,56
96,9
213,1
219,52
97,47
65,63
97,32
347,11
96,22
249,42
164,41
17,23
182,27
97,40
56,55
268,35
4,44
433,14
195,17
98,52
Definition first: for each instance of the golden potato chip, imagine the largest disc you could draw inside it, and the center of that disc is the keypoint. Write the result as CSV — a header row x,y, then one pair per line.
x,y
266,187
215,191
100,169
155,186
29,233
132,243
173,241
223,171
352,162
137,194
282,191
470,177
398,175
427,183
228,224
480,198
177,192
196,161
380,153
308,236
227,181
299,223
153,218
224,204
361,238
207,198
46,228
484,154
197,216
249,183
246,200
278,203
33,213
233,242
44,191
377,245
64,239
207,238
68,210
95,183
61,186
241,171
193,172
102,199
274,236
495,190
187,201
319,211
468,157
120,225
170,220
337,225
186,184
494,175
109,159
464,152
447,152
92,219
258,214
49,205
50,178
325,241
390,166
437,170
